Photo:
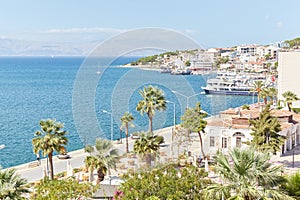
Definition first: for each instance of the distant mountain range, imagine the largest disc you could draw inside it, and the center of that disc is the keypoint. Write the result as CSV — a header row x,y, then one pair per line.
x,y
13,47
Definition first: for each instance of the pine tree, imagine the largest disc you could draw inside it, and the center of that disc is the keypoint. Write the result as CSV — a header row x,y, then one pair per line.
x,y
265,132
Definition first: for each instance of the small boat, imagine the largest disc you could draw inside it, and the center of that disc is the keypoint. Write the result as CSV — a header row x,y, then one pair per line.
x,y
181,72
165,70
2,146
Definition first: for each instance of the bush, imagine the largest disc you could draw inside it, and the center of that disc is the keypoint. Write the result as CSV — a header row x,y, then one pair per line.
x,y
292,185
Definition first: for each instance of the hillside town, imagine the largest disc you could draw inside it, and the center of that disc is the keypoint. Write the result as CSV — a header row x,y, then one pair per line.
x,y
251,58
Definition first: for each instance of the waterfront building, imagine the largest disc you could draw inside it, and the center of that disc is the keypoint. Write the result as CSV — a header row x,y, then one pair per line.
x,y
231,129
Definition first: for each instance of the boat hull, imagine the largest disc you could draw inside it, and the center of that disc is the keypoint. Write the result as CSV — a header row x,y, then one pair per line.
x,y
228,92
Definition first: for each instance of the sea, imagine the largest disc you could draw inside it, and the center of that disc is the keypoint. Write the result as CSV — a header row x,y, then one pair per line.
x,y
36,88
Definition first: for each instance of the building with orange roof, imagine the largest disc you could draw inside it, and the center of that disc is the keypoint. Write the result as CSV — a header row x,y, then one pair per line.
x,y
231,129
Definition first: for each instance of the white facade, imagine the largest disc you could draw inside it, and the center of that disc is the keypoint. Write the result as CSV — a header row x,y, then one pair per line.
x,y
288,74
269,50
224,138
231,129
247,49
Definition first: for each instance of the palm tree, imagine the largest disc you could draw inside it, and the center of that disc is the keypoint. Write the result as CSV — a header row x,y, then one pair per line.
x,y
49,139
289,98
91,163
258,87
12,186
127,119
147,146
272,94
106,155
249,176
193,121
153,99
265,132
264,95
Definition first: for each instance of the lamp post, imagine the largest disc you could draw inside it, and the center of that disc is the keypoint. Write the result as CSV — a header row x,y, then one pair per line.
x,y
293,156
187,97
174,126
111,123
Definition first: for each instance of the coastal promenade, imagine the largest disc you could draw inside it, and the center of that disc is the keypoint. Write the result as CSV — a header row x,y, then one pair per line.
x,y
34,173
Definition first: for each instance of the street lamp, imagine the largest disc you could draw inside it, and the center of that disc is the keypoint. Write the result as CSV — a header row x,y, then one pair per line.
x,y
111,123
293,156
187,97
174,125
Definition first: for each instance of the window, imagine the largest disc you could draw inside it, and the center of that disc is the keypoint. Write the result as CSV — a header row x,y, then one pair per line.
x,y
211,141
224,142
238,142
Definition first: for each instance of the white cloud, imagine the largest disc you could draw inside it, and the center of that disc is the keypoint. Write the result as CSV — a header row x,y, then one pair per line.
x,y
279,24
84,30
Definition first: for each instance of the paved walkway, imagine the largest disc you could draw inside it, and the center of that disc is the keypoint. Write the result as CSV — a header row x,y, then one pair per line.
x,y
290,160
77,158
35,173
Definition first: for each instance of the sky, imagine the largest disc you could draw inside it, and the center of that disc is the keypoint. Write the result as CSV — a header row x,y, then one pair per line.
x,y
212,23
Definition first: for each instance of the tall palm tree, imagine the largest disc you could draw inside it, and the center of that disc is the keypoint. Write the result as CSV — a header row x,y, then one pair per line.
x,y
91,163
49,139
193,121
12,186
147,147
272,94
152,99
249,176
257,87
264,95
106,155
290,97
126,120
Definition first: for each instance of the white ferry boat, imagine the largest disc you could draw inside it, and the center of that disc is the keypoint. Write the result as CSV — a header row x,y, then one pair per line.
x,y
234,84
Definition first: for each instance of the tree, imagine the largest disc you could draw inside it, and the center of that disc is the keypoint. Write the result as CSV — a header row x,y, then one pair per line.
x,y
147,147
152,99
257,87
12,186
49,139
290,97
62,189
264,95
250,176
267,57
126,120
187,63
165,182
265,132
272,94
91,163
106,155
193,121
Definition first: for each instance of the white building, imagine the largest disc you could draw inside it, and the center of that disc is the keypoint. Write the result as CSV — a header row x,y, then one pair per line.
x,y
288,74
247,49
231,129
262,51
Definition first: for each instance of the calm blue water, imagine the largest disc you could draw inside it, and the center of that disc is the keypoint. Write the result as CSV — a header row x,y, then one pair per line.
x,y
32,89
